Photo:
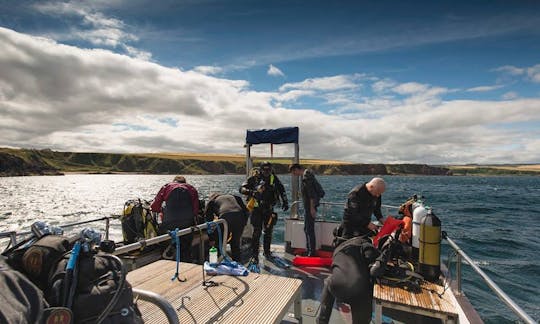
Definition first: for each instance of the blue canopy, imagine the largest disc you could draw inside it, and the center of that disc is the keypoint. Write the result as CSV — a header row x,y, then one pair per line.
x,y
272,136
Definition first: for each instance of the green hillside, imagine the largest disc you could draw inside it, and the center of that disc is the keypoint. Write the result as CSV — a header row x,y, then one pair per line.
x,y
16,162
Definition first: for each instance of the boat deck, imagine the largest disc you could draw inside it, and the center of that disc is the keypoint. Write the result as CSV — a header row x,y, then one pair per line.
x,y
256,298
291,290
428,299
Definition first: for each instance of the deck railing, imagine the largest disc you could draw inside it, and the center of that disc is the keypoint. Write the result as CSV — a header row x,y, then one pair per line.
x,y
490,283
13,236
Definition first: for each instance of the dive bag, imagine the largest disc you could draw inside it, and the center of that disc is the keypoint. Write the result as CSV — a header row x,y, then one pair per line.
x,y
22,302
37,259
137,221
101,292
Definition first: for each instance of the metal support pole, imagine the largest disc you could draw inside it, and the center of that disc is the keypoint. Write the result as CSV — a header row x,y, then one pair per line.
x,y
107,227
249,163
458,274
295,180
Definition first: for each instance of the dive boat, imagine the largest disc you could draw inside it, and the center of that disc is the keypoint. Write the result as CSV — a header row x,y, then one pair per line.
x,y
285,291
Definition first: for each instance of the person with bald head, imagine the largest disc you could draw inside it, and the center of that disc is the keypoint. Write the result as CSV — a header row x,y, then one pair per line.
x,y
363,201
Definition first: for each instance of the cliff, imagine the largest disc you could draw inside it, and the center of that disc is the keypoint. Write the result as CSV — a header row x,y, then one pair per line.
x,y
14,162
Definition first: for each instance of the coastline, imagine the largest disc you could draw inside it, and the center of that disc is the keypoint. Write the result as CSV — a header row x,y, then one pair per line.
x,y
28,162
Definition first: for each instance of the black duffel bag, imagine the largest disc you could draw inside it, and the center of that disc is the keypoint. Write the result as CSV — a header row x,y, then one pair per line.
x,y
102,293
22,302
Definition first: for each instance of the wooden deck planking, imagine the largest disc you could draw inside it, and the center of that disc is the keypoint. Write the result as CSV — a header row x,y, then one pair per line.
x,y
256,298
426,299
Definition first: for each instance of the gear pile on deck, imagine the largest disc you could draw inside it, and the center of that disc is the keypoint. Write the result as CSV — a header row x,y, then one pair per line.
x,y
71,279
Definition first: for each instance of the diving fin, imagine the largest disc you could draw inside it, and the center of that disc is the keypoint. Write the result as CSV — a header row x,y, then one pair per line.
x,y
253,266
280,262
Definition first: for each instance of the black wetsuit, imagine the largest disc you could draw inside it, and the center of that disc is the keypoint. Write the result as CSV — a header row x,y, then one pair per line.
x,y
233,210
350,281
357,214
311,192
263,213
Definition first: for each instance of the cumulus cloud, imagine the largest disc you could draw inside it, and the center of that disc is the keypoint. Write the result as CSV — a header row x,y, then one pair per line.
x,y
531,73
274,71
66,98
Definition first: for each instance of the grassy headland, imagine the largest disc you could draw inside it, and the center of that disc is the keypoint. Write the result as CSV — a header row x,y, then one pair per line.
x,y
14,162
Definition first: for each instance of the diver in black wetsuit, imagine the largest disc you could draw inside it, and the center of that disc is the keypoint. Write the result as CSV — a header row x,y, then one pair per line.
x,y
234,211
363,201
351,281
267,190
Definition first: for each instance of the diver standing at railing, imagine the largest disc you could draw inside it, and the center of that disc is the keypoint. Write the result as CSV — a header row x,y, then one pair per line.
x,y
266,188
363,201
312,192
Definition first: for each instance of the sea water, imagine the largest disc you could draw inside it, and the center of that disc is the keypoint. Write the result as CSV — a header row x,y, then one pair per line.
x,y
495,220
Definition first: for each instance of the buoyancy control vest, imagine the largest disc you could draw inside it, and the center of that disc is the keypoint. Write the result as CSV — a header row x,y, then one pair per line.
x,y
178,211
137,221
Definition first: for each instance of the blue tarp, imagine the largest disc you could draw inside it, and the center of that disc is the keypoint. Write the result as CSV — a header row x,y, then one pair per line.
x,y
272,136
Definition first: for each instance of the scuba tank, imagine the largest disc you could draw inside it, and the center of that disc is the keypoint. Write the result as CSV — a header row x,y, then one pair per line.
x,y
429,262
419,211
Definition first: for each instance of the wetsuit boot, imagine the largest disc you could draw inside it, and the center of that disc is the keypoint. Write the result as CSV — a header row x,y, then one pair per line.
x,y
267,240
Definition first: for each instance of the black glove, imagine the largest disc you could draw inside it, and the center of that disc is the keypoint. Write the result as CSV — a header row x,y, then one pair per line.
x,y
285,205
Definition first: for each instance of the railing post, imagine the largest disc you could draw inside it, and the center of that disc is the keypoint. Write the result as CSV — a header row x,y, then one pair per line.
x,y
458,274
107,226
13,238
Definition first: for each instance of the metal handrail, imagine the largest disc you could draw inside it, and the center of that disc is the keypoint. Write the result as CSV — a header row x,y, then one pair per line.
x,y
491,284
134,246
330,204
160,302
166,237
13,234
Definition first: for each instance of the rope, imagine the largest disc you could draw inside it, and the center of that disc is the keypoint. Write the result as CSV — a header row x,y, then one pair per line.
x,y
176,241
210,229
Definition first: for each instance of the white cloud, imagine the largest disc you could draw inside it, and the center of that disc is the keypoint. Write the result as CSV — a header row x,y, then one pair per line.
x,y
531,73
510,70
274,71
324,84
484,88
293,95
65,98
95,27
511,95
208,70
383,85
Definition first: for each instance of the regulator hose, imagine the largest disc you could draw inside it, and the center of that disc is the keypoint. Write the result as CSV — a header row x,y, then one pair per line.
x,y
118,293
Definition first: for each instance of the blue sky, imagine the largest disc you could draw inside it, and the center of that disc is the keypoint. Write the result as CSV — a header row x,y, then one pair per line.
x,y
366,81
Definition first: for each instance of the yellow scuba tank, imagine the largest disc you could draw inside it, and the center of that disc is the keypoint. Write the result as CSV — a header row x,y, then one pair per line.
x,y
429,259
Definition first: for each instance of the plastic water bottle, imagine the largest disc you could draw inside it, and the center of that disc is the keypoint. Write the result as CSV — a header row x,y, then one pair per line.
x,y
212,258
